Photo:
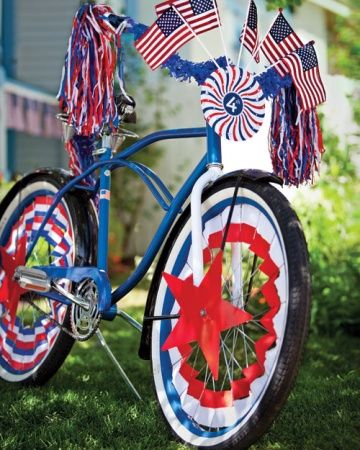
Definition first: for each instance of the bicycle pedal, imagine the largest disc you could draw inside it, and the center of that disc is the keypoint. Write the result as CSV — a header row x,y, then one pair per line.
x,y
32,279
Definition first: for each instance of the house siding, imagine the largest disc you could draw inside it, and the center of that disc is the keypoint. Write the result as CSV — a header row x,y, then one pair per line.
x,y
32,152
39,41
41,31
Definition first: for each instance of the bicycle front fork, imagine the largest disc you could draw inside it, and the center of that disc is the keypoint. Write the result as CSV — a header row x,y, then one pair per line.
x,y
212,174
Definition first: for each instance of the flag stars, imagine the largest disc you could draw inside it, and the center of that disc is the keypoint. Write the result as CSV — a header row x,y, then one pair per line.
x,y
308,57
281,29
252,19
202,6
169,22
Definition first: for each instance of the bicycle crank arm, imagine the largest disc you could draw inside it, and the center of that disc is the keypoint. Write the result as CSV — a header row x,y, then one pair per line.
x,y
73,298
79,274
37,280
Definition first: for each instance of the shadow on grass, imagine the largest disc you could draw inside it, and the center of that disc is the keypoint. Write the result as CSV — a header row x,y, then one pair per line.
x,y
87,405
322,411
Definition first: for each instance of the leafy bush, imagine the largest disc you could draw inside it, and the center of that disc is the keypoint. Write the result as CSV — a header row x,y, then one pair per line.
x,y
330,214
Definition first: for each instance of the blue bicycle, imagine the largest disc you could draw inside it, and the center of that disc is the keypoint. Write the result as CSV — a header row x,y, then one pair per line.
x,y
228,307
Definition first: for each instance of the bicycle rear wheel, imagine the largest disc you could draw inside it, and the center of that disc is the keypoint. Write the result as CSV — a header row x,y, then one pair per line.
x,y
265,275
33,347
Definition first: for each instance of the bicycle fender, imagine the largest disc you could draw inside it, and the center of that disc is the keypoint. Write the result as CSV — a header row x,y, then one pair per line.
x,y
255,175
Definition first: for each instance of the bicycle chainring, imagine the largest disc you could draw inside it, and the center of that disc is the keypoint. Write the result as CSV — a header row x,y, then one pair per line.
x,y
84,323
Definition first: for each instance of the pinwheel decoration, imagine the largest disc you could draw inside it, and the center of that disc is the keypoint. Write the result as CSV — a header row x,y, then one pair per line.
x,y
233,103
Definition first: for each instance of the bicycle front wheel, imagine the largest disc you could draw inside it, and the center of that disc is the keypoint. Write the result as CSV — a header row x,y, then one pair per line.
x,y
32,344
265,276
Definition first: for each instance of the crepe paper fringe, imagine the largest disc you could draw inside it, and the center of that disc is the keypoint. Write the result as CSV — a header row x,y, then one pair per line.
x,y
87,87
296,143
184,70
80,150
136,28
271,82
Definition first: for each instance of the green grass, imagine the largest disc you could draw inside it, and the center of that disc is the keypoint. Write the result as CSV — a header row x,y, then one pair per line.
x,y
87,406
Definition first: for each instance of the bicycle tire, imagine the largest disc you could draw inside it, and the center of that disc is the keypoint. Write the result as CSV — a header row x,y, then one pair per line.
x,y
33,351
200,421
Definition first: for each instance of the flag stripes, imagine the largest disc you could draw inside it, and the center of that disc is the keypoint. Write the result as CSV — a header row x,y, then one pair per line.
x,y
250,33
304,68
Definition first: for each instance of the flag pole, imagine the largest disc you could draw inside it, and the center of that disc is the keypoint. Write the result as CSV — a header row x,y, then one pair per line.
x,y
221,31
271,66
196,37
262,41
243,35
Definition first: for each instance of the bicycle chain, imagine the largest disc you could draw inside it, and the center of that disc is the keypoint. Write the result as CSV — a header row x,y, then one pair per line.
x,y
63,328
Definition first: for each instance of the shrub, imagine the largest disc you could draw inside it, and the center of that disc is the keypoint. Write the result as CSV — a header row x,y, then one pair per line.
x,y
330,213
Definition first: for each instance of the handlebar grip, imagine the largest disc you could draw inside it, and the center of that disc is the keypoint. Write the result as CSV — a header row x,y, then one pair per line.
x,y
126,108
115,20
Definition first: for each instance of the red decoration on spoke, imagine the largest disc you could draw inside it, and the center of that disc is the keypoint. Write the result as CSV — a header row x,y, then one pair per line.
x,y
10,290
203,313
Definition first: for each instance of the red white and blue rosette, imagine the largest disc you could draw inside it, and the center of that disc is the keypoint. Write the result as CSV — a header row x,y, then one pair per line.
x,y
233,103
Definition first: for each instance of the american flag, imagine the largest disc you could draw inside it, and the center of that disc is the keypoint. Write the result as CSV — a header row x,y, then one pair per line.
x,y
52,126
15,112
163,38
33,117
304,68
279,42
250,33
201,15
105,194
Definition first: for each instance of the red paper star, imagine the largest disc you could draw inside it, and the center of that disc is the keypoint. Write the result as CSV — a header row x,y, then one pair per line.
x,y
10,290
203,314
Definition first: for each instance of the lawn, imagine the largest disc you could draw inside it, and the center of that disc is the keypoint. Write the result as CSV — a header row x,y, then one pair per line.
x,y
87,406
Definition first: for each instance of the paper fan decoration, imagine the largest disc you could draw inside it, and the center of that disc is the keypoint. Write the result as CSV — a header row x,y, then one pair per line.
x,y
233,103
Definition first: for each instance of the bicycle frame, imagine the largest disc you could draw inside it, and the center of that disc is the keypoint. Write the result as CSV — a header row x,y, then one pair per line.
x,y
106,165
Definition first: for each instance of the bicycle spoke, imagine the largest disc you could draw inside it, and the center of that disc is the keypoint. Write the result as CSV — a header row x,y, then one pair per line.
x,y
225,359
183,357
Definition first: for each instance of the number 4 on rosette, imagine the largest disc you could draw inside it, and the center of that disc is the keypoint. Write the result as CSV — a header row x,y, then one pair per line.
x,y
233,103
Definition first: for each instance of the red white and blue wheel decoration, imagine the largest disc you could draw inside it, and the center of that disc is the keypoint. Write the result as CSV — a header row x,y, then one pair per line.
x,y
233,103
26,334
198,405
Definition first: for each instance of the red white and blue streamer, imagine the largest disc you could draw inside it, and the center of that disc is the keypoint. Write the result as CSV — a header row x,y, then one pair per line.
x,y
87,86
296,143
233,103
